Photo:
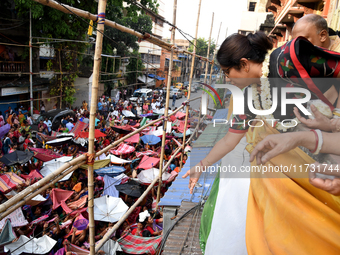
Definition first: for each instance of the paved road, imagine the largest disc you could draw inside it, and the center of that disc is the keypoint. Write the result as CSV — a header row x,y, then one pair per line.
x,y
194,104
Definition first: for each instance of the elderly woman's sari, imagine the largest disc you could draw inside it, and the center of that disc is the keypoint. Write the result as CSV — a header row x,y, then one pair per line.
x,y
285,214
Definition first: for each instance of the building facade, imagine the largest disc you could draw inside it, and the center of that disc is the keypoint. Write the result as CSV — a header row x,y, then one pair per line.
x,y
287,12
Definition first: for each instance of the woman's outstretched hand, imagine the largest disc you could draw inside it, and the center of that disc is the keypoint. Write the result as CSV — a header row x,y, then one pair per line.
x,y
320,121
194,177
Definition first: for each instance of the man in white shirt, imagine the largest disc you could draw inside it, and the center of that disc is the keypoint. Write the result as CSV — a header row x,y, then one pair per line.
x,y
158,103
69,126
48,124
153,106
115,112
126,103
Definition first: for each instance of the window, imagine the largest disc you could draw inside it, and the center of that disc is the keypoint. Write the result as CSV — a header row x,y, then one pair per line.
x,y
252,6
166,62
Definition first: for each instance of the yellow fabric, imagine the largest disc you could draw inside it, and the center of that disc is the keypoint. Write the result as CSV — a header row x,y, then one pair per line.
x,y
286,214
90,30
98,164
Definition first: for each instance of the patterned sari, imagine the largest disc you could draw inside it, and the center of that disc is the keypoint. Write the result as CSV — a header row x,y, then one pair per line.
x,y
285,214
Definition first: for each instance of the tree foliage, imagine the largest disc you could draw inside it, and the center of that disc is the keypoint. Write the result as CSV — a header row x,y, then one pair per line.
x,y
202,47
48,22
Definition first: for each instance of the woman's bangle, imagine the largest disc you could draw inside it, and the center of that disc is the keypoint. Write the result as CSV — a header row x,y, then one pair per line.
x,y
319,141
208,162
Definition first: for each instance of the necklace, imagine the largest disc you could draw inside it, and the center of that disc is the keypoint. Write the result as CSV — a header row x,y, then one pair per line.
x,y
266,98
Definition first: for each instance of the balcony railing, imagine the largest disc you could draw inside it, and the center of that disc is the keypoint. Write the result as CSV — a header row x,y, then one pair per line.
x,y
12,66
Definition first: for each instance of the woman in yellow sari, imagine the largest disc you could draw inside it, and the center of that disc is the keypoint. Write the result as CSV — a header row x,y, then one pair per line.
x,y
285,213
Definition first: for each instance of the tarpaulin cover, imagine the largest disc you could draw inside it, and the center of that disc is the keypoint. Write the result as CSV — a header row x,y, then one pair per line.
x,y
115,160
147,153
148,162
77,250
7,234
147,176
122,129
78,127
110,247
80,203
110,171
62,159
24,244
17,219
139,245
59,196
33,174
52,167
98,164
180,115
133,139
9,181
172,118
44,154
16,157
109,186
36,200
181,126
123,149
97,134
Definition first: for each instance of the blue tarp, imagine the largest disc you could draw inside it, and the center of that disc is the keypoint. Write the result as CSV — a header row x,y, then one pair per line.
x,y
182,56
160,78
151,75
109,186
111,171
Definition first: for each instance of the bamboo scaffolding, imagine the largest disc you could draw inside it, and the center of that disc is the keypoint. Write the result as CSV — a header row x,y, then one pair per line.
x,y
84,14
57,174
212,64
39,191
206,68
15,199
190,83
165,121
133,207
93,109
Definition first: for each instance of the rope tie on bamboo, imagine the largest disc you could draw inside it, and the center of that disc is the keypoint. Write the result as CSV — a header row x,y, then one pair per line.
x,y
90,159
145,36
101,18
185,103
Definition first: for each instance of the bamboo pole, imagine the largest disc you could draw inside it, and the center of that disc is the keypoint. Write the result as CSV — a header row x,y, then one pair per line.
x,y
31,65
213,60
133,207
204,94
206,67
93,109
61,81
165,121
190,82
90,16
215,51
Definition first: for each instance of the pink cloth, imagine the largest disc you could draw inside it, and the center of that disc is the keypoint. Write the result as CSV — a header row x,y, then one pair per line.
x,y
123,149
59,196
148,162
133,139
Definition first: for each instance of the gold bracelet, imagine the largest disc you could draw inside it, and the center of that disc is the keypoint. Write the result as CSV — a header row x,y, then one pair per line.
x,y
208,162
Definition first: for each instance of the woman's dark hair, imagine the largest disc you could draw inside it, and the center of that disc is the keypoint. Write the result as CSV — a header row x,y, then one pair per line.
x,y
252,47
146,233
